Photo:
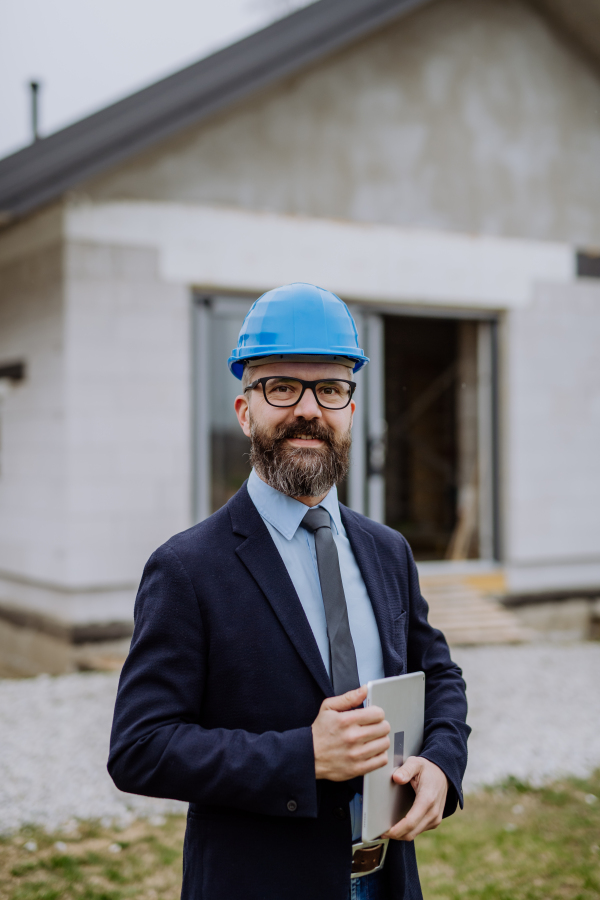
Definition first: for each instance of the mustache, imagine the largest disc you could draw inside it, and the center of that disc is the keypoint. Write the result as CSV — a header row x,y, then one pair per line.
x,y
303,428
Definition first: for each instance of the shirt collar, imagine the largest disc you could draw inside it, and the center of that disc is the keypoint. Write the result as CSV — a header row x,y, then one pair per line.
x,y
283,512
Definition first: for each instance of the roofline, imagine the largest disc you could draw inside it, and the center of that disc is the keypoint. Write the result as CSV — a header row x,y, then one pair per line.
x,y
43,171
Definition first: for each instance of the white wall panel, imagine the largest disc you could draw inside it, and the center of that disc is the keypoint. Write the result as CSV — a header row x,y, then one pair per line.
x,y
553,439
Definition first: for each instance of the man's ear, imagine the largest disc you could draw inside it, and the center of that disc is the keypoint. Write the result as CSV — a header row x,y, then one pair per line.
x,y
242,411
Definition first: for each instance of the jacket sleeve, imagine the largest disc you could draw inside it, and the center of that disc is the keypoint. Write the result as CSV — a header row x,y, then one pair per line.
x,y
158,746
446,731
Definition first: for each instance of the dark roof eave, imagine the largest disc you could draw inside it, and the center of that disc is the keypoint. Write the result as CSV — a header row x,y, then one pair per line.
x,y
42,172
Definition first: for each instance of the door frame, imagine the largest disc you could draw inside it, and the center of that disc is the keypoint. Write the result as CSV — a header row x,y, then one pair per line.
x,y
367,479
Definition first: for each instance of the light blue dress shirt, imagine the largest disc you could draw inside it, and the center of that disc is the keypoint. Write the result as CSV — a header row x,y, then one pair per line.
x,y
282,516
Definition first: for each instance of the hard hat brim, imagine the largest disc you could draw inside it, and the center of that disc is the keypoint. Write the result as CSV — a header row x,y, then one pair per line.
x,y
342,356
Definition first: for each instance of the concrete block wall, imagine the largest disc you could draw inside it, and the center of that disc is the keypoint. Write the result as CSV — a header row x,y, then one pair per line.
x,y
95,442
33,473
128,379
552,439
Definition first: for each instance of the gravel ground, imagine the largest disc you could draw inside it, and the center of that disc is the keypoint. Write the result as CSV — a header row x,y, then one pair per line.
x,y
534,710
53,752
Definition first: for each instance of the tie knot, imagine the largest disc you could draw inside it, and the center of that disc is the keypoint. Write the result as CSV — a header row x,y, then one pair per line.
x,y
316,518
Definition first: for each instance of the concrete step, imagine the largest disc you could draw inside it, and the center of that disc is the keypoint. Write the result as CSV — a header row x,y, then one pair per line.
x,y
463,606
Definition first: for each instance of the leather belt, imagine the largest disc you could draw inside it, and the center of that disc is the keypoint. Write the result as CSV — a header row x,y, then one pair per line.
x,y
368,857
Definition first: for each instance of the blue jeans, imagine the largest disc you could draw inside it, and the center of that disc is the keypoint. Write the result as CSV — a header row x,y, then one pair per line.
x,y
369,887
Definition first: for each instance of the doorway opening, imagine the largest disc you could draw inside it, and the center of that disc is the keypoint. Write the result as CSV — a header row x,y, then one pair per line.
x,y
438,400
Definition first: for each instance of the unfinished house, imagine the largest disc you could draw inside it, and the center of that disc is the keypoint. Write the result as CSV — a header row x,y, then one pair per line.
x,y
436,165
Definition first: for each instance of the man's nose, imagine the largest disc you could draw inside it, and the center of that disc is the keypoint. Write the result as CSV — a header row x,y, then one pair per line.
x,y
308,408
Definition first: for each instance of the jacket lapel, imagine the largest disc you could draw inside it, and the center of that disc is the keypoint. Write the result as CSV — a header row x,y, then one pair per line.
x,y
366,554
261,557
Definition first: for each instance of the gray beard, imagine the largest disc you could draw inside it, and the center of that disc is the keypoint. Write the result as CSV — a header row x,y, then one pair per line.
x,y
299,471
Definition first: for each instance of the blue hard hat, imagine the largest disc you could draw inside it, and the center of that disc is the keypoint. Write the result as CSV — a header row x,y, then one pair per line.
x,y
297,320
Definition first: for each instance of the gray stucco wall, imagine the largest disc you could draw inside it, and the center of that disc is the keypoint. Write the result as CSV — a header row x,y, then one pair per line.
x,y
32,417
95,442
470,115
551,437
128,369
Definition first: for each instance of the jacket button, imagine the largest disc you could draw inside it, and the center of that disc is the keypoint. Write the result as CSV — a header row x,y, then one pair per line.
x,y
292,805
340,812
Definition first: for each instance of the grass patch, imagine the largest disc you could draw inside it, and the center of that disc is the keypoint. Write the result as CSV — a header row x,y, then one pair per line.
x,y
514,842
517,843
141,862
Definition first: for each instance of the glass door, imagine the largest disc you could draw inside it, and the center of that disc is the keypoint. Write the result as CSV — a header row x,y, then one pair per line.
x,y
221,449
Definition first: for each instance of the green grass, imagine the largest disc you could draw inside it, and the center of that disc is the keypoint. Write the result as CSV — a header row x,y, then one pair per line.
x,y
517,843
510,843
146,867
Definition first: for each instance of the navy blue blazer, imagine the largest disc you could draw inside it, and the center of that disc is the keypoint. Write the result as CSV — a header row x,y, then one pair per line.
x,y
220,688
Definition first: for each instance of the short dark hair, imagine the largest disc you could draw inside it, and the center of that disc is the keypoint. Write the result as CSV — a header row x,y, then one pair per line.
x,y
248,378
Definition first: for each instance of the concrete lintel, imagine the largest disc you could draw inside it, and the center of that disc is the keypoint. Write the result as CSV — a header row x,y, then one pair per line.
x,y
240,250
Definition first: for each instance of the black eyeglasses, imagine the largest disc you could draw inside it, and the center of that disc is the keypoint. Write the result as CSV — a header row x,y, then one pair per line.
x,y
335,393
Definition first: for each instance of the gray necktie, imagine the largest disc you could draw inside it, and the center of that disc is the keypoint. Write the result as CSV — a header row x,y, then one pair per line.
x,y
344,671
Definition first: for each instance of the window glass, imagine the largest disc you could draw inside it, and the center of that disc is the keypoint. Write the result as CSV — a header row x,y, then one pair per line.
x,y
229,447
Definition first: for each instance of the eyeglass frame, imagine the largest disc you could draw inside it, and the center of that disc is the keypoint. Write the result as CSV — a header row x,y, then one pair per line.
x,y
305,384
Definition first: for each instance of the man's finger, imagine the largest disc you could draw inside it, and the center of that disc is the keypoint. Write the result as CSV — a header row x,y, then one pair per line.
x,y
405,830
407,772
349,700
372,731
374,762
415,817
420,818
371,748
366,715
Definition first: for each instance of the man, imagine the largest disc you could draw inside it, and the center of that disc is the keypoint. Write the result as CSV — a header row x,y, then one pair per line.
x,y
255,630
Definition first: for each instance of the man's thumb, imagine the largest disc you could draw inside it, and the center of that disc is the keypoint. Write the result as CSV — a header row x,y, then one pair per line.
x,y
407,772
349,700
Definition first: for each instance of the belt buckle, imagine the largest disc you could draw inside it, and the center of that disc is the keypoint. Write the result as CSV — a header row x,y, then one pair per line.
x,y
368,857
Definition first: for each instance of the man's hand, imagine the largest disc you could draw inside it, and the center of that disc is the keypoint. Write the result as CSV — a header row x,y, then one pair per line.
x,y
349,741
430,786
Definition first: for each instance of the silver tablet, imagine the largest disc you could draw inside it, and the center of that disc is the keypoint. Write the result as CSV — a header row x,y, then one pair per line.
x,y
403,700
